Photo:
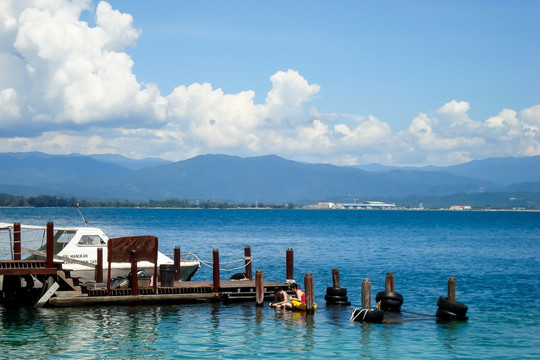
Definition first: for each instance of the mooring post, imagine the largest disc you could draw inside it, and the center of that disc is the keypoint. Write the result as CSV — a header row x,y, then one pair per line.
x,y
99,266
176,263
16,241
452,289
389,282
335,278
259,288
215,257
50,244
290,264
366,294
247,261
308,284
134,277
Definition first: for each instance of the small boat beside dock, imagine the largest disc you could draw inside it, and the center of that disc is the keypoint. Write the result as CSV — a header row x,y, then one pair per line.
x,y
75,249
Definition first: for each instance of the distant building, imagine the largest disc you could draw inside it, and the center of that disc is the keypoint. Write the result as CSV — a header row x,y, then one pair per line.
x,y
460,207
369,205
325,205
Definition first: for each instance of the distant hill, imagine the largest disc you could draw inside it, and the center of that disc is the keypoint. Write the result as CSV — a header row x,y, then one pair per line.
x,y
266,179
503,171
35,168
129,163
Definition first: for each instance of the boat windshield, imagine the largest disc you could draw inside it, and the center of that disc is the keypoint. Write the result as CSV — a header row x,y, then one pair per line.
x,y
91,240
65,236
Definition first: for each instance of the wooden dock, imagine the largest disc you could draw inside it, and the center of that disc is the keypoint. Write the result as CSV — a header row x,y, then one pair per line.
x,y
182,292
61,290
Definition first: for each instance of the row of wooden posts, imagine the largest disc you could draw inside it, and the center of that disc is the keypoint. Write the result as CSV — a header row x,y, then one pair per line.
x,y
259,284
17,251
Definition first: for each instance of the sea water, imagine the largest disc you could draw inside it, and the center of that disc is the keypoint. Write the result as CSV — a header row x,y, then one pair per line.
x,y
494,256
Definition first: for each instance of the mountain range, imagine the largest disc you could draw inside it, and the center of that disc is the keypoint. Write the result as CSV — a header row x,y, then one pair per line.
x,y
495,182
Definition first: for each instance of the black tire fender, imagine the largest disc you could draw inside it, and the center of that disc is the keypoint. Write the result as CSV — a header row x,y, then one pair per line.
x,y
389,295
391,305
335,291
454,307
368,315
334,298
448,315
343,303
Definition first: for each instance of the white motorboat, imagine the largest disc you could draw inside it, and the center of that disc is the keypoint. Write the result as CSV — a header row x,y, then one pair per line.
x,y
76,249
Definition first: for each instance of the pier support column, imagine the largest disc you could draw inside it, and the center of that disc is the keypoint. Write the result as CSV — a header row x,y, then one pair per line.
x,y
215,258
290,264
335,278
247,261
134,277
366,294
177,263
308,284
99,266
16,241
389,282
452,289
259,288
50,244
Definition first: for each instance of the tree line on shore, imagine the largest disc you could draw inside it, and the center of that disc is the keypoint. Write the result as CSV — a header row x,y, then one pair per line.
x,y
7,200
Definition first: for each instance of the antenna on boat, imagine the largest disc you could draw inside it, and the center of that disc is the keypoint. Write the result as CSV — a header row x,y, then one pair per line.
x,y
80,213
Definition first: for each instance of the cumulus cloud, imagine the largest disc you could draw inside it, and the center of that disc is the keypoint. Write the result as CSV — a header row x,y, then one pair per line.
x,y
67,86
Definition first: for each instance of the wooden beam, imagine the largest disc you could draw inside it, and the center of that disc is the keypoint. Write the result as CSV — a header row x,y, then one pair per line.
x,y
43,300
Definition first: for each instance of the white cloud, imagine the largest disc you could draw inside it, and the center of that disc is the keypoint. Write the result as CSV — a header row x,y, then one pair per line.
x,y
61,75
454,107
289,92
8,104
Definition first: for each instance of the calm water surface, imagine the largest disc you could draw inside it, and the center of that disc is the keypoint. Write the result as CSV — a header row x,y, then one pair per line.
x,y
494,256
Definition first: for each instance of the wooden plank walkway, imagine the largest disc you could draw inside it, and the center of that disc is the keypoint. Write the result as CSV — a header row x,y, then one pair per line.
x,y
25,267
182,291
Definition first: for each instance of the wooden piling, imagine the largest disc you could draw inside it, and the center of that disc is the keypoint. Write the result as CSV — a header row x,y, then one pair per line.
x,y
335,278
134,277
16,241
247,261
99,266
177,263
366,294
389,282
452,289
289,264
259,288
308,284
50,244
215,258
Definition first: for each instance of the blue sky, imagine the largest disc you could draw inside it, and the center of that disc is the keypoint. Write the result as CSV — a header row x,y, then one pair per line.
x,y
345,82
392,59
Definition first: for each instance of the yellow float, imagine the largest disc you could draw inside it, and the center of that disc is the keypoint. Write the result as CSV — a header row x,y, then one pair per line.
x,y
298,305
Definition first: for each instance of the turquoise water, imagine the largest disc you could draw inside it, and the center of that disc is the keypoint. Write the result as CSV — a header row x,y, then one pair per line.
x,y
493,255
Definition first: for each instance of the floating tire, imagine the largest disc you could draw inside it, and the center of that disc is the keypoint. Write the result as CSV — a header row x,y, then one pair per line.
x,y
336,291
334,298
389,300
454,307
340,303
390,305
367,315
443,314
389,295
